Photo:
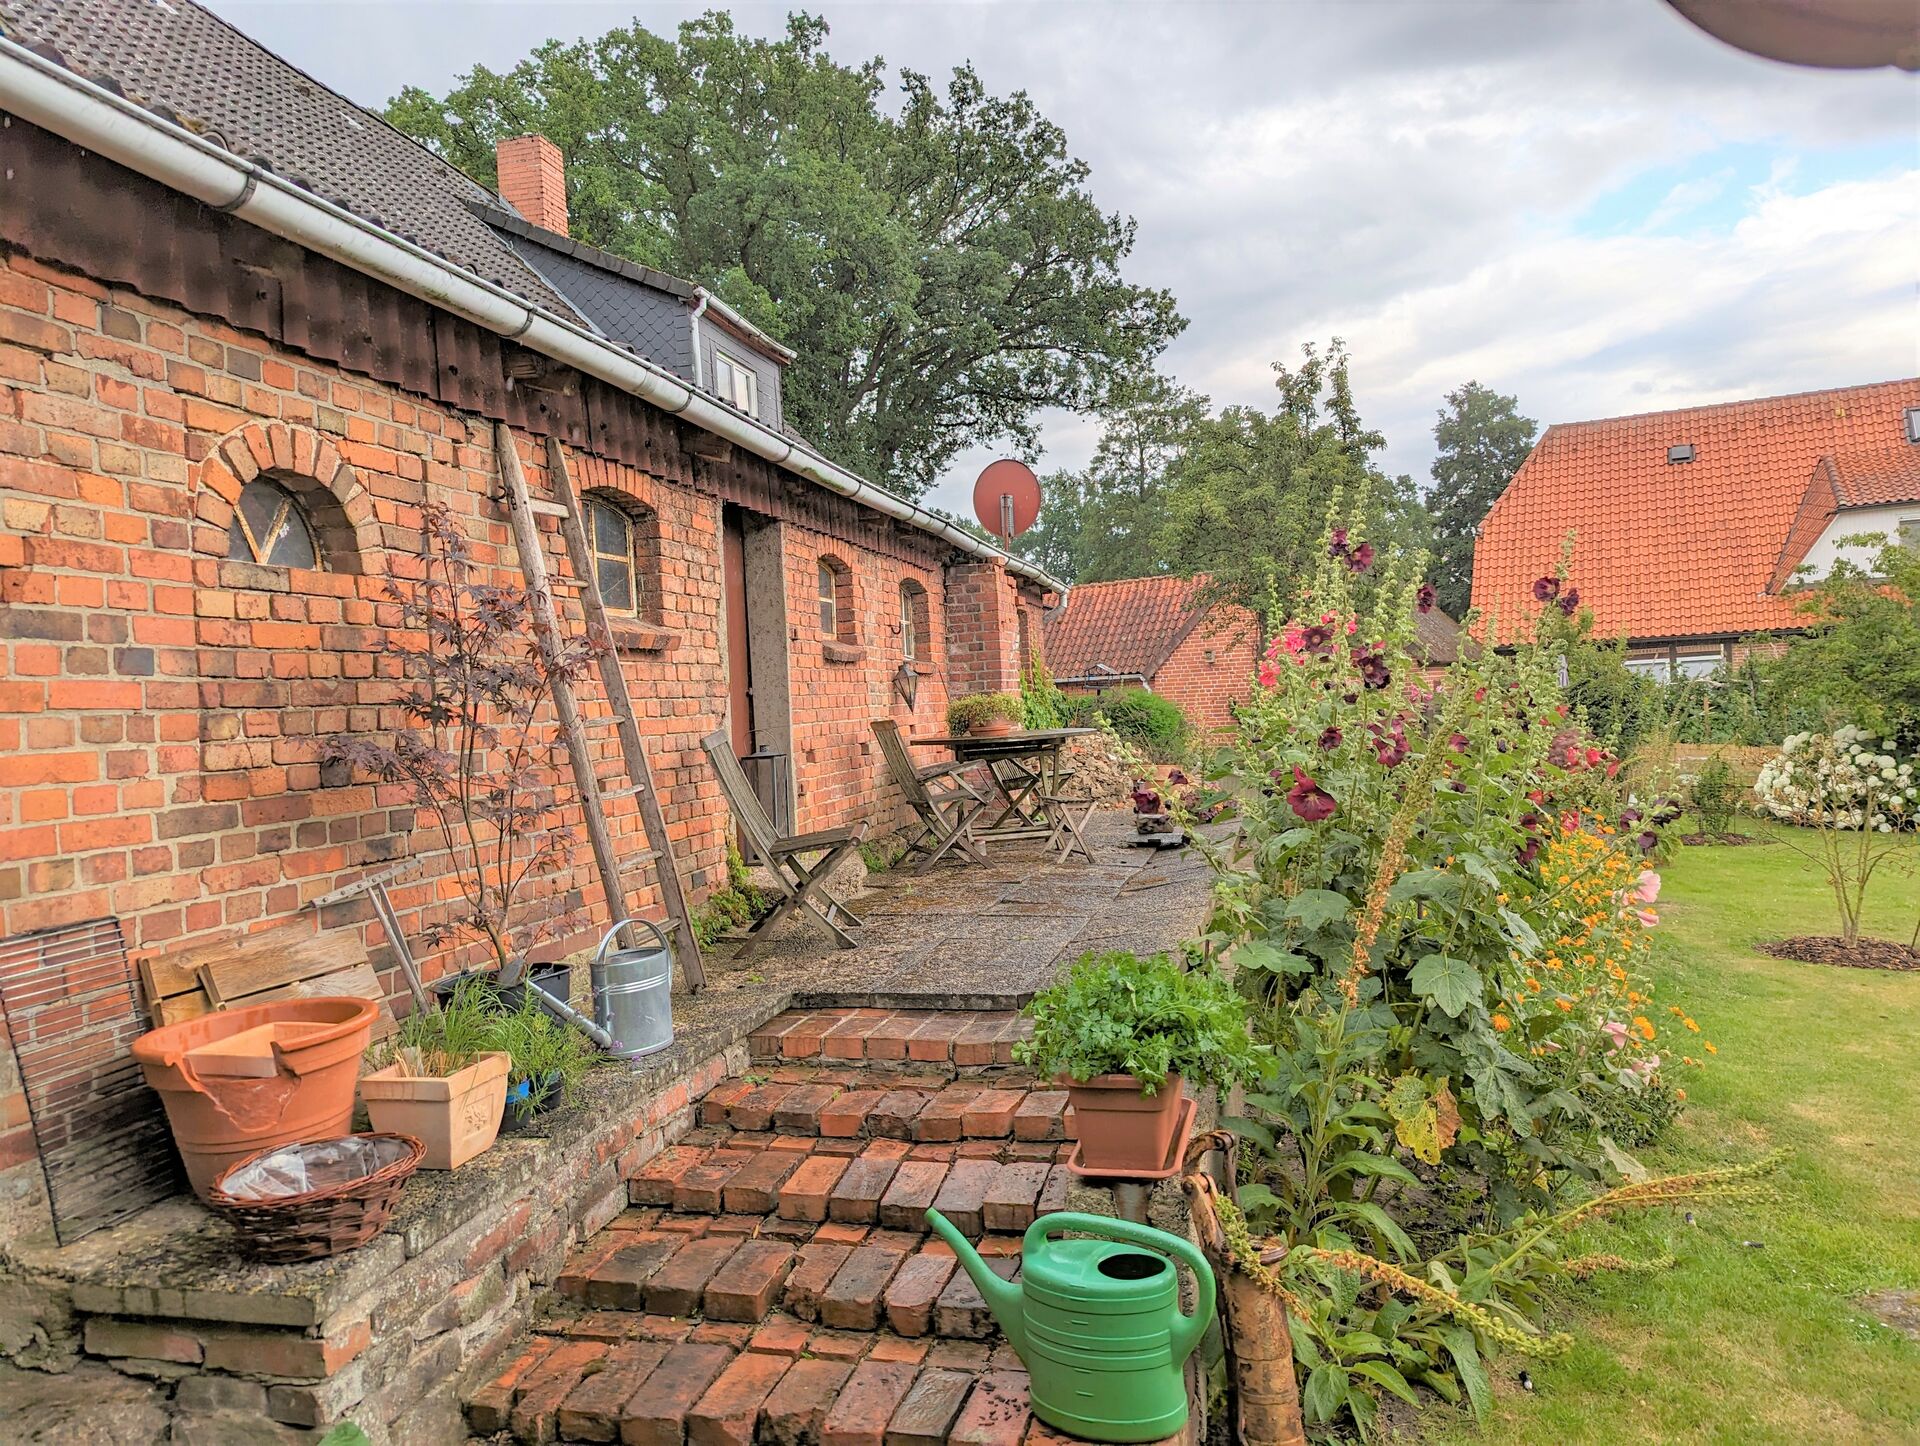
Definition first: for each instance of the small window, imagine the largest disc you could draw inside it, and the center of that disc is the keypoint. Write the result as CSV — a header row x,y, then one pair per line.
x,y
1913,424
734,381
270,528
1910,532
829,600
915,640
616,573
1681,453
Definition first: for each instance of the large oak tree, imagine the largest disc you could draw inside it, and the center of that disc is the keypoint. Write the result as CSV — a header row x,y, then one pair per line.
x,y
938,264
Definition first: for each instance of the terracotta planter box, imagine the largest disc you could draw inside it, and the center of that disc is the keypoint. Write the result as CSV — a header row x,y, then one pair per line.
x,y
456,1115
1122,1130
992,728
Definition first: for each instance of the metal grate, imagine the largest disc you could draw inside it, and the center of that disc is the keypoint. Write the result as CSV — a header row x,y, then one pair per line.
x,y
73,1012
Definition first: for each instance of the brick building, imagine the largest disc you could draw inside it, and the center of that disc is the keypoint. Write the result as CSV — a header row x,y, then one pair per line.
x,y
246,332
1157,633
1693,528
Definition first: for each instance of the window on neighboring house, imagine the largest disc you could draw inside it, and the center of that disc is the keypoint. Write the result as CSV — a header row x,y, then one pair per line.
x,y
734,381
915,623
270,528
835,584
1698,665
1910,532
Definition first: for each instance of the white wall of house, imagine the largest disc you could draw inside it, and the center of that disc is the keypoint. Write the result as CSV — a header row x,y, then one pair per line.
x,y
1852,522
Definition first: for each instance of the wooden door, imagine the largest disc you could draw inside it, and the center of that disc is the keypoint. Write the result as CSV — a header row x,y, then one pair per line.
x,y
733,569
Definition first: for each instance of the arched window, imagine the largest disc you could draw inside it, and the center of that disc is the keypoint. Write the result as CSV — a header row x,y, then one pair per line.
x,y
270,528
834,585
625,542
916,632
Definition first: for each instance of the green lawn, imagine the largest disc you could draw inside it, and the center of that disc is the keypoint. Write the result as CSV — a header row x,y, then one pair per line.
x,y
1736,1343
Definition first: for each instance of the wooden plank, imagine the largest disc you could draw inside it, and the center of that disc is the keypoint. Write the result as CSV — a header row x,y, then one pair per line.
x,y
258,963
177,971
178,1007
620,702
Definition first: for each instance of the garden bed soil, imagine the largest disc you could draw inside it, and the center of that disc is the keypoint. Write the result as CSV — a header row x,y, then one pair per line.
x,y
1861,954
1731,840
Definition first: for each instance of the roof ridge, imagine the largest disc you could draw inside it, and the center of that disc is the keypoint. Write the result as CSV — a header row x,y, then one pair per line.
x,y
1146,577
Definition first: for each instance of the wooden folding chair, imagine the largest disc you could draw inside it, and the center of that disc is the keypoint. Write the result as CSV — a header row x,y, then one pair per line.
x,y
1067,812
944,814
800,884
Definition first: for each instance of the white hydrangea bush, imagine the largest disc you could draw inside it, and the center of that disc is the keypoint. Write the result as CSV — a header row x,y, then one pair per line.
x,y
1844,779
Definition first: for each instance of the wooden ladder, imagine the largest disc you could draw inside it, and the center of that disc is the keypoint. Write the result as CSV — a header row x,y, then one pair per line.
x,y
594,790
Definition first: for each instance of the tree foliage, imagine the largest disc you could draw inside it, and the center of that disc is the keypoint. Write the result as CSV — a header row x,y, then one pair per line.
x,y
940,265
1482,441
1241,494
1860,663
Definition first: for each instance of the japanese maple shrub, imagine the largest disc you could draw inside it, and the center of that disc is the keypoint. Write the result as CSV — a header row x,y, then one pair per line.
x,y
481,758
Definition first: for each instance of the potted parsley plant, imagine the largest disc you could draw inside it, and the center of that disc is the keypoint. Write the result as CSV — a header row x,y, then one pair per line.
x,y
1122,1035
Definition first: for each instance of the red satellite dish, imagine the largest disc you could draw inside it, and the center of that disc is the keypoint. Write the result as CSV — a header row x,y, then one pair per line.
x,y
1006,499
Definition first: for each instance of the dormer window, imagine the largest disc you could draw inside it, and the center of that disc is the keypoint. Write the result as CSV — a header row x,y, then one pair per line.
x,y
734,381
1913,424
1681,453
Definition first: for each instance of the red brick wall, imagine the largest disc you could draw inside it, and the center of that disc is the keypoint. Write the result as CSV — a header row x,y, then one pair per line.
x,y
163,710
982,629
1212,666
533,178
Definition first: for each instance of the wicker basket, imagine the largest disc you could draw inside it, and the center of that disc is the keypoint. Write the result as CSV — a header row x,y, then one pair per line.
x,y
353,1183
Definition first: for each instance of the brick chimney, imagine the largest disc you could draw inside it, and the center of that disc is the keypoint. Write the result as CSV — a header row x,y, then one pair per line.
x,y
533,178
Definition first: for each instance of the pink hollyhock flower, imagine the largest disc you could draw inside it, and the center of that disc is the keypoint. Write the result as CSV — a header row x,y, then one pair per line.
x,y
1617,1032
1309,800
1458,743
1646,888
1269,675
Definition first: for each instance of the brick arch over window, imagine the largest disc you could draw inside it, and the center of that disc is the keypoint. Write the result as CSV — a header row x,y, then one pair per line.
x,y
306,463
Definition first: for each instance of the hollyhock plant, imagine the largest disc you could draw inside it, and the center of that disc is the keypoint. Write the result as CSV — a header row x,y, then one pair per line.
x,y
1361,558
1309,800
1425,598
1546,589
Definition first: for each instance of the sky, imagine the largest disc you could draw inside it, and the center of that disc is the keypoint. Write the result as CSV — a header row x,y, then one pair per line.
x,y
1585,203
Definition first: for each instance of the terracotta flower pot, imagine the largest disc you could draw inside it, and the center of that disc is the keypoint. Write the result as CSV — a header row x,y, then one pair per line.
x,y
992,728
289,1079
456,1115
1120,1129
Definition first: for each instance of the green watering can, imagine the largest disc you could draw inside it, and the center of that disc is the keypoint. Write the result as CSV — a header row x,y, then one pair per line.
x,y
1097,1322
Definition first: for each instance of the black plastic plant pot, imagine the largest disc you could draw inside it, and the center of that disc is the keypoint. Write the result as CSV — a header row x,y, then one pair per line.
x,y
553,980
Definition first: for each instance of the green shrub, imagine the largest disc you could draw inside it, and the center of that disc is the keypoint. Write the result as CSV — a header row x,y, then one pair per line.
x,y
1116,1013
1149,721
1042,704
1633,1118
550,1057
966,714
1715,797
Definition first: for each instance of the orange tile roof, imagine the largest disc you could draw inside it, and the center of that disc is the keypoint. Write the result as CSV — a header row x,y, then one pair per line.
x,y
1852,479
1129,626
1676,550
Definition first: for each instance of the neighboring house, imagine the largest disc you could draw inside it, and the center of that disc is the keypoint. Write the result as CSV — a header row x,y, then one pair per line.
x,y
1157,633
1692,528
247,329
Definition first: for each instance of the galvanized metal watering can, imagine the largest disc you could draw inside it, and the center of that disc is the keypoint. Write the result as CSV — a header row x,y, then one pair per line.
x,y
1097,1322
633,993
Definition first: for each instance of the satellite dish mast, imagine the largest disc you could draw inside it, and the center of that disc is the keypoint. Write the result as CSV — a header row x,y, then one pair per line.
x,y
1006,499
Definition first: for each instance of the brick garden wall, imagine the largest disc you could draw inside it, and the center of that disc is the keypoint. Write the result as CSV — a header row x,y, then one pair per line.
x,y
163,710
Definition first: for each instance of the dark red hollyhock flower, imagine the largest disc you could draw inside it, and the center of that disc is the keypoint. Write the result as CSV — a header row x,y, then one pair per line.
x,y
1426,597
1531,821
1361,558
1458,743
1317,638
1528,852
1331,739
1337,546
1389,745
1631,815
1570,601
1648,842
1373,668
1309,800
1546,589
1175,776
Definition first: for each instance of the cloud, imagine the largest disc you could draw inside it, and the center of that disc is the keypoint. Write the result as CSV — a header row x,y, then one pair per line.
x,y
1412,176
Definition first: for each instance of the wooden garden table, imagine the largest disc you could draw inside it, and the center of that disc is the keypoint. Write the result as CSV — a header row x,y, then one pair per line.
x,y
1027,774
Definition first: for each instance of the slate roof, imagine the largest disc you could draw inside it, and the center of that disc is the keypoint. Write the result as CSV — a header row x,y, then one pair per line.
x,y
1129,626
1676,550
1436,637
231,90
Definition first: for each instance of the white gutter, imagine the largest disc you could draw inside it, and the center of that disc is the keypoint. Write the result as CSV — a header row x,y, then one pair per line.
x,y
693,331
57,100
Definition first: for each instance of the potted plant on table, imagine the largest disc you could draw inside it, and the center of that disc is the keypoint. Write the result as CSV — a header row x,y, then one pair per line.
x,y
442,1080
1123,1034
986,715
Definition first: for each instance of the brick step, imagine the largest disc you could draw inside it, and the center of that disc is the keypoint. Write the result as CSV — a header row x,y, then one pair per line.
x,y
789,1192
925,1110
783,1383
883,1036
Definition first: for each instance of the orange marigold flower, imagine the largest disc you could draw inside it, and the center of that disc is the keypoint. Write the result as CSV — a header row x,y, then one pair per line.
x,y
1691,1025
1565,1005
1644,1025
1709,1044
1502,1023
